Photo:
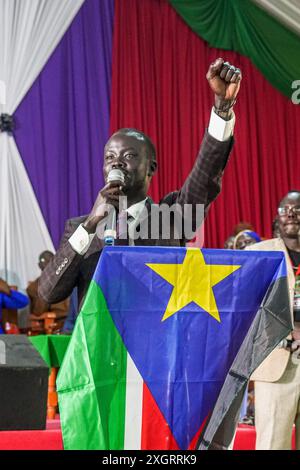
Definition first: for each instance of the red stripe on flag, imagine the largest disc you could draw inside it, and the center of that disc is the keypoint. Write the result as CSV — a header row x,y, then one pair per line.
x,y
156,434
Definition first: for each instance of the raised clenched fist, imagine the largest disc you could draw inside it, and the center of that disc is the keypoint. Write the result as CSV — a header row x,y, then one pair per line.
x,y
224,80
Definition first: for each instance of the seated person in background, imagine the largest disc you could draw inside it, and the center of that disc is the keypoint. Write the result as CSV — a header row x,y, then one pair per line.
x,y
228,244
245,238
10,298
277,379
237,229
37,305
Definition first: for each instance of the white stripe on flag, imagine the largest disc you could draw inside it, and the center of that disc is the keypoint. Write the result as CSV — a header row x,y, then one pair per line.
x,y
134,407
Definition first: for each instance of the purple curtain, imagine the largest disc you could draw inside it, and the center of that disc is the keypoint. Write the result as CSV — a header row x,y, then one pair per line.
x,y
63,121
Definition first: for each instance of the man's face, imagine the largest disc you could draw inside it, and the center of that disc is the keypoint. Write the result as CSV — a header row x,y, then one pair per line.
x,y
289,217
129,154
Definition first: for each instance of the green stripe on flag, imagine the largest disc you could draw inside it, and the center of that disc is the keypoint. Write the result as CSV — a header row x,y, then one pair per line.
x,y
242,26
92,381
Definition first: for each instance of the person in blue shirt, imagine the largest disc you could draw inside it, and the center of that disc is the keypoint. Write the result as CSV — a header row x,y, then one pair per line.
x,y
10,298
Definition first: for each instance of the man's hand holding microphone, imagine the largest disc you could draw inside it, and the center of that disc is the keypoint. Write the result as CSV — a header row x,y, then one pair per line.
x,y
107,200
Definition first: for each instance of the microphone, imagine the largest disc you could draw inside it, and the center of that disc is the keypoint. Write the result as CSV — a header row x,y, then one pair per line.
x,y
110,232
116,175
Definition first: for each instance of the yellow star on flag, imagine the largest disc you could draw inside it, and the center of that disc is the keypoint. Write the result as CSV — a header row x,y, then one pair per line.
x,y
193,281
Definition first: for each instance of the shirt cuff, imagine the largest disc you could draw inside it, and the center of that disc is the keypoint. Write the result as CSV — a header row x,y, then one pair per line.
x,y
219,128
80,240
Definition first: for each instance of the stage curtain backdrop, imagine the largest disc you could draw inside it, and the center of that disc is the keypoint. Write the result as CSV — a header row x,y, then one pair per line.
x,y
63,121
244,27
159,86
29,32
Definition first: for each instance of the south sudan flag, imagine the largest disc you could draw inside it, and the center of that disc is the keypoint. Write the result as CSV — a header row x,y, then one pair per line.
x,y
165,344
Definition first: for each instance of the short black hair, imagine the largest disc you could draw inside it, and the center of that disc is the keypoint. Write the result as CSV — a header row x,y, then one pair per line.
x,y
294,191
140,136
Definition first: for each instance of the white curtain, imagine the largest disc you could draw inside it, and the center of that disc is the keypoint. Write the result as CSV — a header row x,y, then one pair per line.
x,y
29,32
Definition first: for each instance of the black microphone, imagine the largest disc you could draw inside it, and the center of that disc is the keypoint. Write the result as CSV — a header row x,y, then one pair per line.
x,y
110,232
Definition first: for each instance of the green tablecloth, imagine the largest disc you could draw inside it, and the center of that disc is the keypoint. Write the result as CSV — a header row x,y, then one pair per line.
x,y
52,348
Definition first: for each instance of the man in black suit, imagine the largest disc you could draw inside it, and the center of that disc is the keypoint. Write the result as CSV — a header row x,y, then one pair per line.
x,y
133,153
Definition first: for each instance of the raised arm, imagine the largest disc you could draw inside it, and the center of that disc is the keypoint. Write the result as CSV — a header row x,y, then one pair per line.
x,y
204,182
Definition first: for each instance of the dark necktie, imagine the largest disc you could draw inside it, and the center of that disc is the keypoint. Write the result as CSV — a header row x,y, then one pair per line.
x,y
123,220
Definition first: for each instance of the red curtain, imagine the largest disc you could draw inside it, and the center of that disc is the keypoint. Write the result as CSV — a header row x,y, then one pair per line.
x,y
159,86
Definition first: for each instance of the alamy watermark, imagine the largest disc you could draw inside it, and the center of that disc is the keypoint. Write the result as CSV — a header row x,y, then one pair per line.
x,y
163,222
296,93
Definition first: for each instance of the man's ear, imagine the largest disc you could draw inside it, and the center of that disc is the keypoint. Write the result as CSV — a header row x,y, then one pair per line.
x,y
152,167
